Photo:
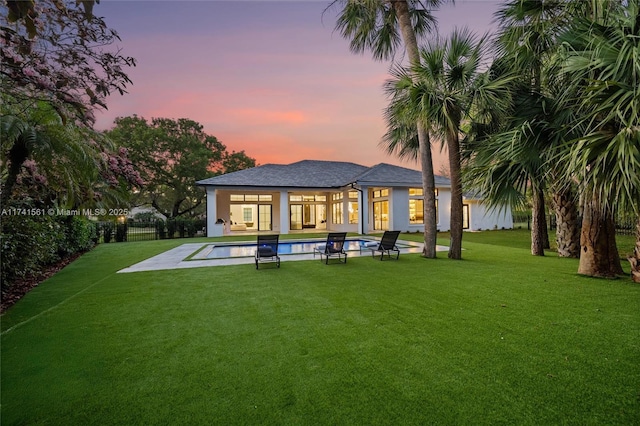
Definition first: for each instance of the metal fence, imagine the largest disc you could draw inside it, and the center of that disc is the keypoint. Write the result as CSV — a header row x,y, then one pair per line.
x,y
625,225
132,230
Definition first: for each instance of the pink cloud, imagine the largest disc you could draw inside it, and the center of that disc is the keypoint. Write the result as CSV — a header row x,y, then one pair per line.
x,y
256,116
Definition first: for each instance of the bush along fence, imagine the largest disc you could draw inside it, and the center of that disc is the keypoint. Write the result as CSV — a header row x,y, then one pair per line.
x,y
157,229
625,225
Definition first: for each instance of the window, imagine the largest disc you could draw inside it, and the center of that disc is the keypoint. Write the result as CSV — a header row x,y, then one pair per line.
x,y
416,211
337,213
247,214
353,194
250,197
378,193
307,198
264,217
381,215
415,191
353,212
337,196
465,216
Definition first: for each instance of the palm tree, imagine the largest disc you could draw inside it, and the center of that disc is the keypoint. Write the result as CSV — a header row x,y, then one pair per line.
x,y
381,26
527,39
70,166
444,90
22,136
601,62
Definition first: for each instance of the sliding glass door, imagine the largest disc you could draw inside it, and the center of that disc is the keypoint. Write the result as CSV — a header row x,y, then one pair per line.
x,y
265,218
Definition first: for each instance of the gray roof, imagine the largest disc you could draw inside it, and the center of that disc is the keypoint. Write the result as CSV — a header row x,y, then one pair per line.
x,y
389,175
321,174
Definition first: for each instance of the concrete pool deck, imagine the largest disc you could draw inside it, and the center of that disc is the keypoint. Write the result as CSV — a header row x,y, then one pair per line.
x,y
175,258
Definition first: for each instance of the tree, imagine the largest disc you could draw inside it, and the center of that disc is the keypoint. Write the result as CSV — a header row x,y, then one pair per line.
x,y
603,72
445,90
171,155
381,26
56,51
58,164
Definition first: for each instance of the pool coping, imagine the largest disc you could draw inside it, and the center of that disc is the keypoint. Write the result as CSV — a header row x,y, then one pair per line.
x,y
176,258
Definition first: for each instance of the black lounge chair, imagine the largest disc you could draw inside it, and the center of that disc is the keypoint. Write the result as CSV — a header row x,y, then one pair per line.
x,y
333,247
387,245
267,250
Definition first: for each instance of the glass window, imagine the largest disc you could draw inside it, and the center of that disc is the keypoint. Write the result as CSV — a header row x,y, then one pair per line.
x,y
321,198
415,191
236,197
247,214
416,211
378,193
465,216
251,197
353,194
337,213
295,197
337,196
381,215
266,197
353,212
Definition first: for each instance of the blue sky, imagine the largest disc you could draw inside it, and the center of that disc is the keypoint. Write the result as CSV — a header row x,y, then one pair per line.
x,y
271,78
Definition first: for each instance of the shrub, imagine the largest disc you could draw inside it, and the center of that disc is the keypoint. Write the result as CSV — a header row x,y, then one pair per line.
x,y
161,229
171,228
28,243
182,227
121,232
107,231
145,217
80,235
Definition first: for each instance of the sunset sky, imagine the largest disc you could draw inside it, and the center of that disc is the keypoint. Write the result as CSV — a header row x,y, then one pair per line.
x,y
270,78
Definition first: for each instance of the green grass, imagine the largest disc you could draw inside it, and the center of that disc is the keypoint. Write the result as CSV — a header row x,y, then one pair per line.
x,y
500,337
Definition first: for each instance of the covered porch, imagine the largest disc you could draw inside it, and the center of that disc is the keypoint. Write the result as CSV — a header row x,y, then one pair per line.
x,y
251,211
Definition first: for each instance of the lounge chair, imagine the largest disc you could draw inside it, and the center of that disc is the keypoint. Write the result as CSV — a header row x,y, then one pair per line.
x,y
267,249
333,247
387,245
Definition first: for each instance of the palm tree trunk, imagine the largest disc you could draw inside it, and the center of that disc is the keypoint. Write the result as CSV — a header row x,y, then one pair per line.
x,y
567,232
455,246
598,254
428,181
429,191
538,224
635,259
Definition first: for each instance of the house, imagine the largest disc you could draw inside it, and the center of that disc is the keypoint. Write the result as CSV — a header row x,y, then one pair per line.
x,y
333,196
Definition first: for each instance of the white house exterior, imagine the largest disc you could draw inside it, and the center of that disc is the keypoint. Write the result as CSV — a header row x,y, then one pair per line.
x,y
333,196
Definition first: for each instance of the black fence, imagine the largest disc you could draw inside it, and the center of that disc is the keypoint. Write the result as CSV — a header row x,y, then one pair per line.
x,y
132,230
624,225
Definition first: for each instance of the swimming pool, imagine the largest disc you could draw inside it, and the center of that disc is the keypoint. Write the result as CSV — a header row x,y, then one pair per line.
x,y
221,251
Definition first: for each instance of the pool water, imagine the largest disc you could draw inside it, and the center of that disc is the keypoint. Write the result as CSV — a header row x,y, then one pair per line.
x,y
213,251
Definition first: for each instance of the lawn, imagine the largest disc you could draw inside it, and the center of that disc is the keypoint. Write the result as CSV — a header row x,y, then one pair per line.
x,y
500,337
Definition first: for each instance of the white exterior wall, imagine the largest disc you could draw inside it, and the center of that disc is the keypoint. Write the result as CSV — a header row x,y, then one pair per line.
x,y
444,210
280,212
399,209
212,213
482,218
